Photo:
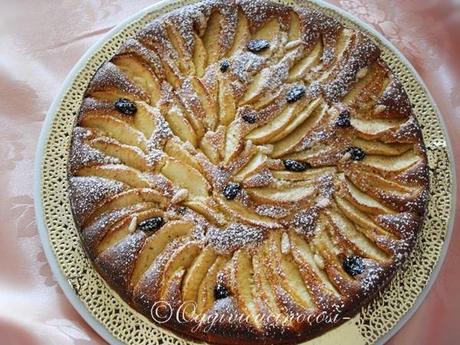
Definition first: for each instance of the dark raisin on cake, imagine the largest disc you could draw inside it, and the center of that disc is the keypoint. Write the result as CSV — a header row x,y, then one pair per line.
x,y
224,65
125,106
293,165
353,265
151,224
220,291
231,190
356,153
256,46
296,93
249,118
343,120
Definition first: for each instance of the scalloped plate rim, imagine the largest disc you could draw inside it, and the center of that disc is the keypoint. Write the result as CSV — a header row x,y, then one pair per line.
x,y
50,115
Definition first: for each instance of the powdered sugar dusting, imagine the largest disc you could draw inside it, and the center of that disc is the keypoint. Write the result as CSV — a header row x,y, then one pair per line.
x,y
272,211
305,222
87,191
246,65
109,75
234,236
81,154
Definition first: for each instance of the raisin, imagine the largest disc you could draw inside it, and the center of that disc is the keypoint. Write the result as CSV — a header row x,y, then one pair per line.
x,y
220,292
231,190
249,118
353,265
256,46
151,224
224,65
296,93
356,153
181,210
125,106
343,120
296,166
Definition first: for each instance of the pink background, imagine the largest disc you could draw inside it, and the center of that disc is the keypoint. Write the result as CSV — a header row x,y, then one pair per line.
x,y
42,40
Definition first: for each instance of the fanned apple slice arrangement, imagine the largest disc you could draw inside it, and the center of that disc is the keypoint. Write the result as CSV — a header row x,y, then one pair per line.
x,y
254,159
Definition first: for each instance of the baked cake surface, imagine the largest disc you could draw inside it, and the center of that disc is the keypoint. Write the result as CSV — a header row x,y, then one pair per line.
x,y
255,167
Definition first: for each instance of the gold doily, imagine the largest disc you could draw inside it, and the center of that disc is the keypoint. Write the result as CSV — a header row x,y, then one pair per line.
x,y
371,324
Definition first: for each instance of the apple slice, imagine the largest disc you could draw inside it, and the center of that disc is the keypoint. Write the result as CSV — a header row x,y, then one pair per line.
x,y
200,56
192,107
330,255
171,72
180,125
176,149
122,173
110,83
312,58
117,233
284,270
362,200
275,126
308,154
122,229
247,152
211,37
374,127
181,259
116,129
295,28
140,74
374,184
226,101
257,163
128,198
241,35
256,87
146,119
270,31
155,244
207,210
207,102
303,175
186,177
349,231
129,155
297,120
235,209
244,289
305,257
263,286
344,43
233,141
212,144
393,164
279,196
288,143
378,148
359,218
197,273
184,60
366,90
205,295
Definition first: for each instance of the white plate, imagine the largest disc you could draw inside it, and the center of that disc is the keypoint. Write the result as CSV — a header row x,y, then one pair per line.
x,y
39,211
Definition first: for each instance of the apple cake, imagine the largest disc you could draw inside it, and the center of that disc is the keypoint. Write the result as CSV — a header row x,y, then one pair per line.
x,y
251,167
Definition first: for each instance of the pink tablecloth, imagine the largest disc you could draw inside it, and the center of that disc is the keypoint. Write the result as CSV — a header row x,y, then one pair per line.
x,y
41,41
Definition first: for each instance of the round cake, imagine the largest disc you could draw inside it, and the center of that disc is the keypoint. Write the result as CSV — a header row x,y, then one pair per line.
x,y
247,172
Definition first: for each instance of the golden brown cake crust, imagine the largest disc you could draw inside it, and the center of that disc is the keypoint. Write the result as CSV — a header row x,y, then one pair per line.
x,y
257,161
